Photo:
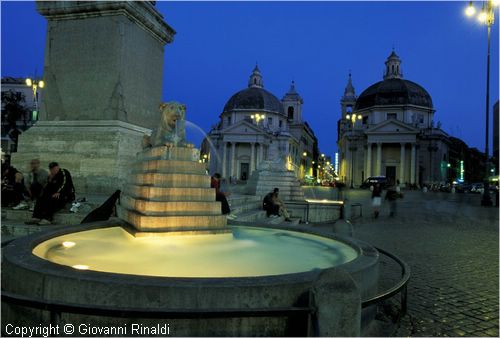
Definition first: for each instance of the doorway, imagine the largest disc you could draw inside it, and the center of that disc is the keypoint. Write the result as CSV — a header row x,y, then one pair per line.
x,y
390,173
244,170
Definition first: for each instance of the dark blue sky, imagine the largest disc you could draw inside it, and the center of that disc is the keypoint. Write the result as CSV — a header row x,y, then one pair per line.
x,y
313,43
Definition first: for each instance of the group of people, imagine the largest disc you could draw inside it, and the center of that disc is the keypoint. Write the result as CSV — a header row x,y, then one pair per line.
x,y
392,194
40,191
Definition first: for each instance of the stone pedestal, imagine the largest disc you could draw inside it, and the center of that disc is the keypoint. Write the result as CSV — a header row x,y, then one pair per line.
x,y
98,154
103,86
169,192
103,61
273,174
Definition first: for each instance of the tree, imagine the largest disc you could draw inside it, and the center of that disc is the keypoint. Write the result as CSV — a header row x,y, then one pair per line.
x,y
14,109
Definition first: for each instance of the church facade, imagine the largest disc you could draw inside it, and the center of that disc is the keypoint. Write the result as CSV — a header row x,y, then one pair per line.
x,y
389,130
255,126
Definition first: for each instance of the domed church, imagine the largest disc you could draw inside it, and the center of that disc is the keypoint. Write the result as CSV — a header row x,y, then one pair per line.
x,y
255,126
389,131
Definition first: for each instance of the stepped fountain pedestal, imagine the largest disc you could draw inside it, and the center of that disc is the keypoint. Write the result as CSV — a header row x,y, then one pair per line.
x,y
169,191
274,174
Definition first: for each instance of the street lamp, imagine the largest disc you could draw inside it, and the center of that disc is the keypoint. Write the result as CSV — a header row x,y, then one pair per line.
x,y
257,117
353,118
34,86
486,16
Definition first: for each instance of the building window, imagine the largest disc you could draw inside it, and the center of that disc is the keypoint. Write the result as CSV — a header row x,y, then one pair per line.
x,y
281,124
392,116
269,121
365,119
229,120
290,113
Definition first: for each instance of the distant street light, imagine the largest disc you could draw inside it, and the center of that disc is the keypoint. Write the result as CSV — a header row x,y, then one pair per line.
x,y
486,16
34,86
353,118
257,117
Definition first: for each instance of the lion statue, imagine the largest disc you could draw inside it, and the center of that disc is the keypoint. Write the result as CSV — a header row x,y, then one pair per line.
x,y
172,129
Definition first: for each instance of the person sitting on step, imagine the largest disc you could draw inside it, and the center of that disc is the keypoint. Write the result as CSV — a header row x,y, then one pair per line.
x,y
58,191
274,206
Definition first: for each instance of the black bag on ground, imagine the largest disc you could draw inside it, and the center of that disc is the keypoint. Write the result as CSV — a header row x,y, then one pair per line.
x,y
104,212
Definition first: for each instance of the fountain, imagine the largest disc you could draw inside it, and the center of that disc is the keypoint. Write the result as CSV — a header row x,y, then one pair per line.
x,y
171,249
174,250
169,189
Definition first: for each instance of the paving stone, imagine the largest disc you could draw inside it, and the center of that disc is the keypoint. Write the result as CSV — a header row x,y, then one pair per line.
x,y
452,246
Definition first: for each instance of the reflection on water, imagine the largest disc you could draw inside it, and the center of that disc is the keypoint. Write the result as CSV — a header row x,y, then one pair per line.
x,y
244,252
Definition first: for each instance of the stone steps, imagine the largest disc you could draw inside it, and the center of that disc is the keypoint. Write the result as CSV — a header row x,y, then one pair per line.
x,y
170,153
63,217
171,223
171,180
242,203
250,216
170,194
168,208
174,166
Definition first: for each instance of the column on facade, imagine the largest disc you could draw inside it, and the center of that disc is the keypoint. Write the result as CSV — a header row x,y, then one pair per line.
x,y
261,152
347,165
413,163
224,159
378,170
368,170
232,172
402,164
252,157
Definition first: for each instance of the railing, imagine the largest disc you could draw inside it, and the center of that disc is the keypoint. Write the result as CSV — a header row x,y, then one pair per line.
x,y
305,312
401,285
306,208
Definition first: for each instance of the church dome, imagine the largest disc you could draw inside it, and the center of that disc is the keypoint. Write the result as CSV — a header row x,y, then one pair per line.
x,y
255,97
394,91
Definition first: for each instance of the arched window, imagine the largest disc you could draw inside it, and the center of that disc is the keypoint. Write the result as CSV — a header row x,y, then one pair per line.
x,y
392,69
290,113
254,81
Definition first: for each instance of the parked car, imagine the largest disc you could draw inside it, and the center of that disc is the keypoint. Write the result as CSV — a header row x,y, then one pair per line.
x,y
374,180
477,188
463,188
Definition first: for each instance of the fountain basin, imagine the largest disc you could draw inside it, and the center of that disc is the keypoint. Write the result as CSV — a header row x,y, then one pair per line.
x,y
26,274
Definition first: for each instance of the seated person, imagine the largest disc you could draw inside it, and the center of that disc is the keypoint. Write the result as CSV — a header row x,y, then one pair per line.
x,y
58,191
275,206
221,196
12,186
34,183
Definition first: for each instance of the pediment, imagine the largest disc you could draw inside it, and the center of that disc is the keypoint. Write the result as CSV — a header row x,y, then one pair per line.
x,y
243,127
392,126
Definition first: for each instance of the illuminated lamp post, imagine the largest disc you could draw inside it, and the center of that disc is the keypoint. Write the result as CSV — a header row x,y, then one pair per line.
x,y
487,17
353,118
34,86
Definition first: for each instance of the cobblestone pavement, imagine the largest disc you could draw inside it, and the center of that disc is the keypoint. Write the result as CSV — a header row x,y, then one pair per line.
x,y
451,244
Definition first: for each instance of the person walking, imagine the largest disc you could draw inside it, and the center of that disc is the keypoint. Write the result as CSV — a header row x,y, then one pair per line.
x,y
376,199
392,196
58,191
